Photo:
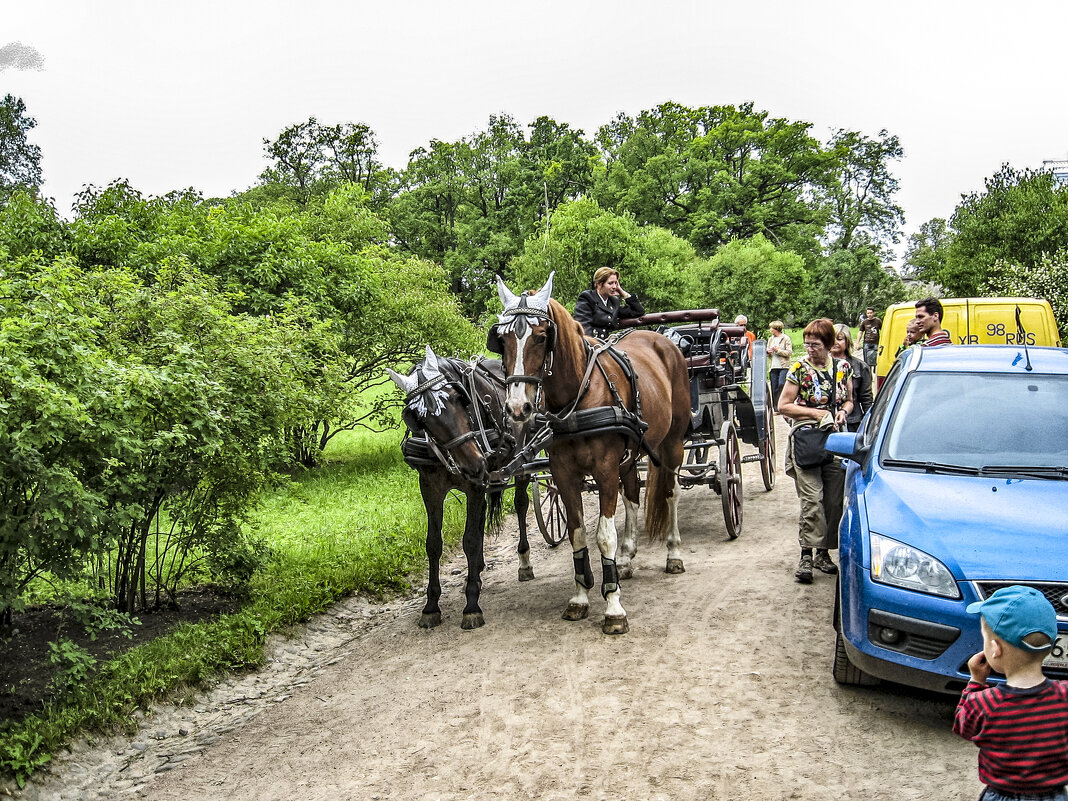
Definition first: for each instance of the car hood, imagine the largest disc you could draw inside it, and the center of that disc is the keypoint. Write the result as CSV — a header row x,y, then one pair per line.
x,y
980,528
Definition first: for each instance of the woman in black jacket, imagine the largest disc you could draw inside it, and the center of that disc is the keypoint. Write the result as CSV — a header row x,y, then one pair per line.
x,y
600,308
862,397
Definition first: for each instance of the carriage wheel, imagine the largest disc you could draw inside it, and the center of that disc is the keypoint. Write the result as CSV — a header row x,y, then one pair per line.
x,y
767,452
696,457
549,511
730,480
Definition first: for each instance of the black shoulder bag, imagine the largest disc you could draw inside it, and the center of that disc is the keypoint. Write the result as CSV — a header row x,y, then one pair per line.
x,y
810,441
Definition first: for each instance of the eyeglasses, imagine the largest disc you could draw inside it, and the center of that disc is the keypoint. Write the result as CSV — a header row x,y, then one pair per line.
x,y
814,345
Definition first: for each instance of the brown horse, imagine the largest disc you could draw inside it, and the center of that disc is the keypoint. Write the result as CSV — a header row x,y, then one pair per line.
x,y
547,360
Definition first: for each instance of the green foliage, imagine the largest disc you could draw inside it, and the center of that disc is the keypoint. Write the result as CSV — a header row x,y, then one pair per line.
x,y
321,272
73,661
583,237
1048,279
309,159
469,205
861,200
750,277
29,226
20,161
848,281
1019,216
925,257
717,173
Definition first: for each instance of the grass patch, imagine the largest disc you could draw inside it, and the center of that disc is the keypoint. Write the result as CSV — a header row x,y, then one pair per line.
x,y
356,524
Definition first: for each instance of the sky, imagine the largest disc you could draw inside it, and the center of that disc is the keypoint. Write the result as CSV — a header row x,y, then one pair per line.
x,y
176,95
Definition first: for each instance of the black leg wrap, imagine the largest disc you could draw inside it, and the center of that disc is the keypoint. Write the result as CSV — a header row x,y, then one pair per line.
x,y
610,577
583,571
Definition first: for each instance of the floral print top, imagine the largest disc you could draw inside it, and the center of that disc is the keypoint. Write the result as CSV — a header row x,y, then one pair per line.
x,y
814,386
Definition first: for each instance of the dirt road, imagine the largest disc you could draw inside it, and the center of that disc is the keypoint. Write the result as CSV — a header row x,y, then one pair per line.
x,y
721,690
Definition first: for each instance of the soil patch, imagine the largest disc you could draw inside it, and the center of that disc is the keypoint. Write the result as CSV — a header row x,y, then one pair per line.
x,y
28,671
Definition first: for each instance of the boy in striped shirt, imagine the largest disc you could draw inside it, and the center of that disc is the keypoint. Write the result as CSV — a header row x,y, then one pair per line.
x,y
1021,727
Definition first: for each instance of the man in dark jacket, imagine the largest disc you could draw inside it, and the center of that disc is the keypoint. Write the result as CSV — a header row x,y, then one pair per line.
x,y
599,309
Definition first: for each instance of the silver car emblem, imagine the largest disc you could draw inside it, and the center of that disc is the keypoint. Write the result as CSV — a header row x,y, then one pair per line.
x,y
1064,601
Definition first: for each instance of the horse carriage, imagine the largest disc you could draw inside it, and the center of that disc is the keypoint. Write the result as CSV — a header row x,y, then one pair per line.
x,y
479,426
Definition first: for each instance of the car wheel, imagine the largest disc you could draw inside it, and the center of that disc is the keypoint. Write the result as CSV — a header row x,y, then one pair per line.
x,y
845,672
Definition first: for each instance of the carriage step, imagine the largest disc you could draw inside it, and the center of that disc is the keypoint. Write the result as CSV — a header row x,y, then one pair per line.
x,y
752,457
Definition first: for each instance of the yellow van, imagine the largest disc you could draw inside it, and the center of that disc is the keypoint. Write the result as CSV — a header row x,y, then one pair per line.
x,y
972,321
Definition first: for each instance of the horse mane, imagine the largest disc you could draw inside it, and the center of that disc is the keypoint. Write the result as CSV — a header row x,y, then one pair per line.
x,y
569,331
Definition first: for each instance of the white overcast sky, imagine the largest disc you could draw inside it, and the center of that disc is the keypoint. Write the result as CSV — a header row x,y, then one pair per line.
x,y
180,94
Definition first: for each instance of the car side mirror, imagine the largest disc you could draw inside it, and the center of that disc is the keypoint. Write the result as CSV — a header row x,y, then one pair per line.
x,y
843,443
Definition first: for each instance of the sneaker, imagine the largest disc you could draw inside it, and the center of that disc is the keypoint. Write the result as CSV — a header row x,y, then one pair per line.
x,y
823,563
804,570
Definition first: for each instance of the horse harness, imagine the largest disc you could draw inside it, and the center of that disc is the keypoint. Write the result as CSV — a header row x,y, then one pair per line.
x,y
576,422
421,449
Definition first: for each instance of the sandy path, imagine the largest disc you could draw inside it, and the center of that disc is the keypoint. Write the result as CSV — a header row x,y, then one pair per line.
x,y
721,690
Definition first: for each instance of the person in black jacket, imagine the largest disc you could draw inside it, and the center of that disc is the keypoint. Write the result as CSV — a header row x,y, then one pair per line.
x,y
862,397
599,308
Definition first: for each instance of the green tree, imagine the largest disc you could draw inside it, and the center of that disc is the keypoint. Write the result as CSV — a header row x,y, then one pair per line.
x,y
20,161
925,256
1047,279
861,199
324,264
848,281
471,204
310,158
584,237
714,174
1019,217
750,277
29,225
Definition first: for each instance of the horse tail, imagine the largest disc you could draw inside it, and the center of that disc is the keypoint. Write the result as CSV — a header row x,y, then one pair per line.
x,y
494,511
659,486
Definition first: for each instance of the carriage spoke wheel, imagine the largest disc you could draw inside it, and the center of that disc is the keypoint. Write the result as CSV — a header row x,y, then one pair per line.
x,y
730,480
767,452
549,511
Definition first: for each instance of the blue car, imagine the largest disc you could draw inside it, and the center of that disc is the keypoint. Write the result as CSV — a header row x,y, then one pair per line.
x,y
956,485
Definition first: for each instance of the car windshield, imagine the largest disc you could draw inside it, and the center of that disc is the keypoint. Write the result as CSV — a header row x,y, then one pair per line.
x,y
990,422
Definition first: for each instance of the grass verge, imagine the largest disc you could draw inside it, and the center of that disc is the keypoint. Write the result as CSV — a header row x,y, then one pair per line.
x,y
356,524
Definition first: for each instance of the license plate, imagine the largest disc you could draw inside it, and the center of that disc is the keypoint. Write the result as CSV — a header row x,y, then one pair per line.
x,y
1058,657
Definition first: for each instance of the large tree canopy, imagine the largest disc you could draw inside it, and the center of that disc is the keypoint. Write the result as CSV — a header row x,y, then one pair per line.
x,y
718,173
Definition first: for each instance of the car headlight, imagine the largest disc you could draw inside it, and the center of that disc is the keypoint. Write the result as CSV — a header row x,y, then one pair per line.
x,y
901,565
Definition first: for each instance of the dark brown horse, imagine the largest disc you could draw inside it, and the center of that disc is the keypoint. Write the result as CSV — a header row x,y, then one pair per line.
x,y
455,411
547,360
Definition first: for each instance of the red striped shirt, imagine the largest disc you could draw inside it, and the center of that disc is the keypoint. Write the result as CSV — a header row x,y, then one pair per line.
x,y
1022,734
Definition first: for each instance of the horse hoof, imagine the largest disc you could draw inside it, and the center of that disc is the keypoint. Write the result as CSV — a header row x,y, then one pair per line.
x,y
626,571
615,624
526,574
674,566
472,620
429,620
576,612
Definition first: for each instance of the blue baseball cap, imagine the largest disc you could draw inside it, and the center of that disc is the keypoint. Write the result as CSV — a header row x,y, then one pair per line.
x,y
1014,612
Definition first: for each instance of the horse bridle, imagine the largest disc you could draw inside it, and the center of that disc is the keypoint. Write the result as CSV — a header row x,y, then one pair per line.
x,y
518,327
468,390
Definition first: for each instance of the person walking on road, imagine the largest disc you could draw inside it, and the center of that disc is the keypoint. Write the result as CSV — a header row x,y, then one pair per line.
x,y
862,397
781,351
819,392
868,334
